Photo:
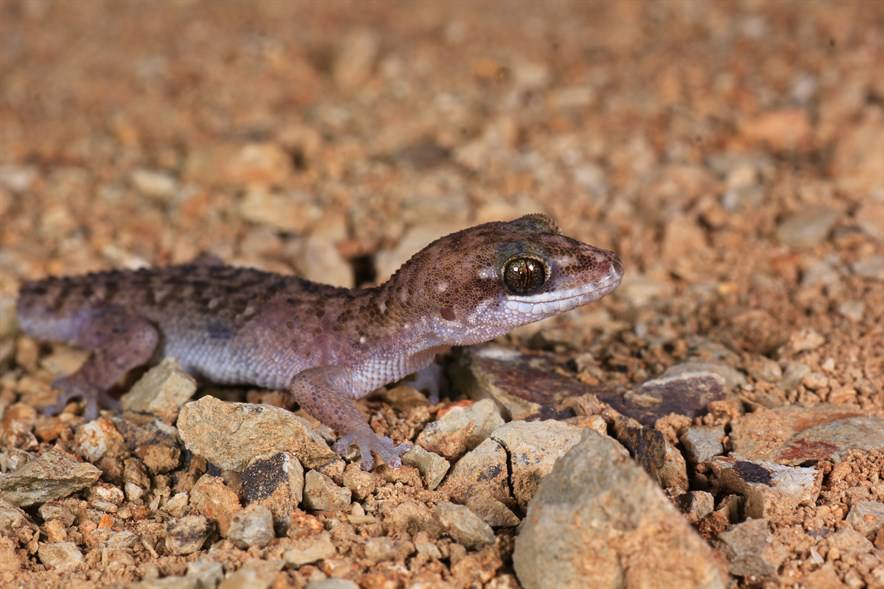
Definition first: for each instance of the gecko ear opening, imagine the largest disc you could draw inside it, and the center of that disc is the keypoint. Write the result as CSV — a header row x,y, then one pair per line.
x,y
537,222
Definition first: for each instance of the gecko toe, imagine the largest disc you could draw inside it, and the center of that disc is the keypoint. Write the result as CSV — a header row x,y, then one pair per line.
x,y
368,443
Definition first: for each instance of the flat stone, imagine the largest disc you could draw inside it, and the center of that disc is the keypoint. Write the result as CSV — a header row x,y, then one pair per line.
x,y
848,541
523,385
14,523
157,184
658,457
186,535
866,517
482,471
870,218
254,574
461,428
683,393
251,526
464,526
262,164
353,64
161,391
751,550
229,435
797,435
322,494
276,482
599,516
533,447
807,227
310,549
212,498
770,489
431,466
702,443
60,556
332,584
870,267
52,475
385,548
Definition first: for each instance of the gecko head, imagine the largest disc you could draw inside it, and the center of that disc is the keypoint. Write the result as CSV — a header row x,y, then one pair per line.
x,y
482,282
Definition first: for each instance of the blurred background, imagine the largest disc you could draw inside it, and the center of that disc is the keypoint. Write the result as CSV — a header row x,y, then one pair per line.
x,y
731,152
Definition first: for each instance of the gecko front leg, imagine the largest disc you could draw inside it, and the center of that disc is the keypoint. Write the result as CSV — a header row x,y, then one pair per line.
x,y
315,392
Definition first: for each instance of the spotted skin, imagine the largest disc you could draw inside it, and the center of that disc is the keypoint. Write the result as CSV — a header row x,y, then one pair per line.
x,y
328,346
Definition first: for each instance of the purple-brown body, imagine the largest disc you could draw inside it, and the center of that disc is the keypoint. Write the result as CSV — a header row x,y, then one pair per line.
x,y
327,345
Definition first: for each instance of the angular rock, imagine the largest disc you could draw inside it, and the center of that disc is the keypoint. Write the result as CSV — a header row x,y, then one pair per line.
x,y
187,534
8,323
211,497
60,556
161,391
332,584
385,548
696,505
808,227
751,549
461,428
870,218
52,475
186,582
208,572
871,267
431,466
702,442
276,482
251,526
310,549
355,59
361,483
493,512
848,541
769,488
523,385
866,517
322,494
464,526
229,435
532,449
97,438
411,517
657,456
260,165
482,471
797,435
155,442
599,516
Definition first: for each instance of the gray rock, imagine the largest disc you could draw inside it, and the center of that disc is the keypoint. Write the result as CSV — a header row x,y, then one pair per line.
x,y
482,471
310,549
870,218
208,572
696,505
252,526
532,449
229,435
187,534
849,541
14,523
795,434
186,582
599,516
493,512
808,227
751,550
52,475
657,456
866,517
161,391
254,574
431,466
156,184
276,482
385,548
461,429
464,526
703,442
769,488
870,267
322,494
60,556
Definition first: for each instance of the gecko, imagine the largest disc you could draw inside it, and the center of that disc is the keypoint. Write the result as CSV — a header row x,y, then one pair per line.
x,y
328,346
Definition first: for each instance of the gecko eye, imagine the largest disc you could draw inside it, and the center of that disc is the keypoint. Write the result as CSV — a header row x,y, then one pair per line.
x,y
524,275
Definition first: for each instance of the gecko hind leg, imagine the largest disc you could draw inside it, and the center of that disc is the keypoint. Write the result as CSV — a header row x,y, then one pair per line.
x,y
118,341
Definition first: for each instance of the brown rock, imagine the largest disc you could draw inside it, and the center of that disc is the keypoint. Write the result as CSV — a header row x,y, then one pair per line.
x,y
251,526
51,475
187,534
461,428
61,556
770,489
866,517
322,494
161,391
751,549
463,525
229,435
481,471
599,516
212,498
276,482
782,130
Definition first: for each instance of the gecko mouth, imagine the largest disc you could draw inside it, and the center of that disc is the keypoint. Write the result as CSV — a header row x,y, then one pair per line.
x,y
556,301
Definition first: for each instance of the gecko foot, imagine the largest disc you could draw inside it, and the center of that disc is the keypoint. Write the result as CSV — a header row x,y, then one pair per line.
x,y
75,387
368,442
431,379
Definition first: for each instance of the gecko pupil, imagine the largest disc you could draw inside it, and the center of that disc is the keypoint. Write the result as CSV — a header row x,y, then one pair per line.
x,y
523,275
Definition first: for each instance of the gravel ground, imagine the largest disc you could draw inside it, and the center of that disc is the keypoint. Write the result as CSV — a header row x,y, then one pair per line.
x,y
729,395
